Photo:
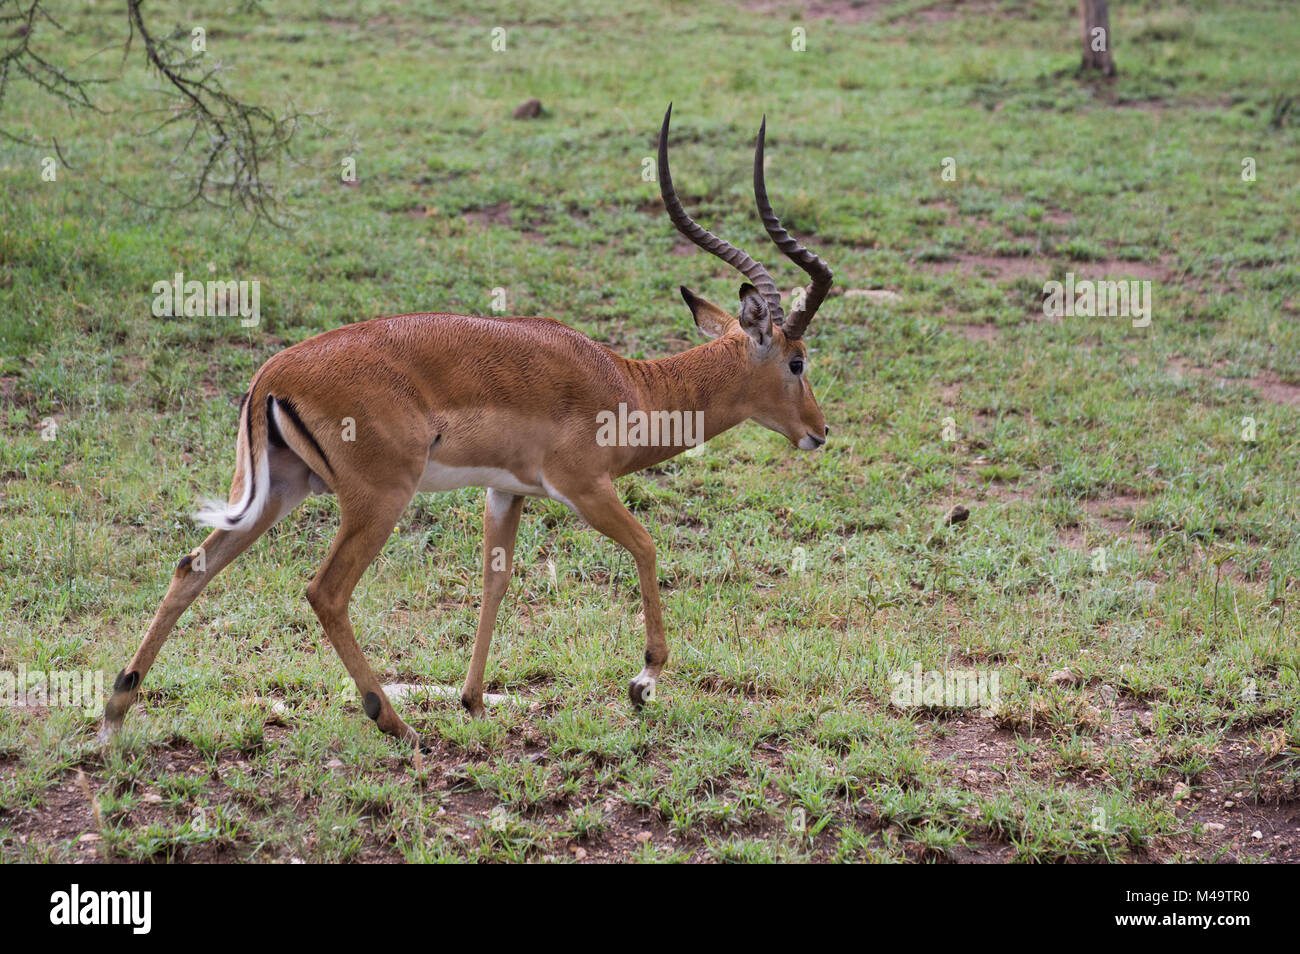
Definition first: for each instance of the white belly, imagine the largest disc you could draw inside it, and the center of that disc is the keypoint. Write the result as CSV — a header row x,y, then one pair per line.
x,y
438,477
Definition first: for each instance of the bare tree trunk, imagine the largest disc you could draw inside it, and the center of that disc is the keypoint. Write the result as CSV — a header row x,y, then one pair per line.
x,y
1096,37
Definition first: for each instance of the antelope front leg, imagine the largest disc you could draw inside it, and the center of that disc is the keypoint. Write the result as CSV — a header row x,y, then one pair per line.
x,y
500,527
601,508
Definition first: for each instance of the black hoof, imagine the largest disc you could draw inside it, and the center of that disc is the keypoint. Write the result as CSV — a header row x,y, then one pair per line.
x,y
126,681
641,690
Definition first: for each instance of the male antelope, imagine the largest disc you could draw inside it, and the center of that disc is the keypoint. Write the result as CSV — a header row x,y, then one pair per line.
x,y
511,404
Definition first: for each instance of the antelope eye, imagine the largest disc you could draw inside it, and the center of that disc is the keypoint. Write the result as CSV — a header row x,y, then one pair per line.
x,y
796,366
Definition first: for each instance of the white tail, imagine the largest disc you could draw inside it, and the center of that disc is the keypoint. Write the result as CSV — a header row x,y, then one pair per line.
x,y
253,470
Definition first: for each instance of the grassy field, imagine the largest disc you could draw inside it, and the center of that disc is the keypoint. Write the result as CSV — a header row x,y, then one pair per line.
x,y
1126,570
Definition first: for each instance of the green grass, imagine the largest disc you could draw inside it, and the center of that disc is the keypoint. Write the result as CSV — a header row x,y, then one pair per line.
x,y
773,737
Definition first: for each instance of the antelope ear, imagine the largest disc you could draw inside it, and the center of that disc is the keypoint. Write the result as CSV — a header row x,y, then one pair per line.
x,y
710,319
753,317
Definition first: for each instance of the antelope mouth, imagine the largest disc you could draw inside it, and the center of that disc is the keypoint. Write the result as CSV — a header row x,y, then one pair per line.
x,y
811,441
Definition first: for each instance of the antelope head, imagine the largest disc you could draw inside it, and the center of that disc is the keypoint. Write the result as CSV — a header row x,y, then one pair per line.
x,y
781,399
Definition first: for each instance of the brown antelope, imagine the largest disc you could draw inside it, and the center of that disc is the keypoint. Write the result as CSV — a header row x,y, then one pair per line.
x,y
378,411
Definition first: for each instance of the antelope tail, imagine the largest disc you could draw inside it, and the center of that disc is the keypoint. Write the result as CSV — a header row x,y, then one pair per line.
x,y
252,471
265,422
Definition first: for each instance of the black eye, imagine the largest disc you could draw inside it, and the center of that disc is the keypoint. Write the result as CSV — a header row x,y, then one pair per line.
x,y
796,366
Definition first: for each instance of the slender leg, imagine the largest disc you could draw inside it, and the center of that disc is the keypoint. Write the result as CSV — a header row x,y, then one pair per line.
x,y
366,523
500,527
600,507
192,574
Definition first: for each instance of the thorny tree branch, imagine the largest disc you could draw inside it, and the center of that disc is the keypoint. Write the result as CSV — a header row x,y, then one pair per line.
x,y
18,22
230,145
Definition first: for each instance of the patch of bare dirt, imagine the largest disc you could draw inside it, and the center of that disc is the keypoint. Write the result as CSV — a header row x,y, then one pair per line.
x,y
983,333
1233,819
1074,538
1108,521
9,390
1269,384
1159,104
1116,513
1004,493
1112,269
1232,810
498,213
840,11
1202,561
861,11
67,815
1274,389
978,747
951,9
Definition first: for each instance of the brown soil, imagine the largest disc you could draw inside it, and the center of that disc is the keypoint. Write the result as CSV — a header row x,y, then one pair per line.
x,y
984,755
840,11
497,214
1269,385
982,333
1115,513
861,11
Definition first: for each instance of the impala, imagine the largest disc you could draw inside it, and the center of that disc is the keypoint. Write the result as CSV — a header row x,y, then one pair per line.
x,y
439,401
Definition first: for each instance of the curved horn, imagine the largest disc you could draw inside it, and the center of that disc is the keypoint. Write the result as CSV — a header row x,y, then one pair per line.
x,y
820,272
705,239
